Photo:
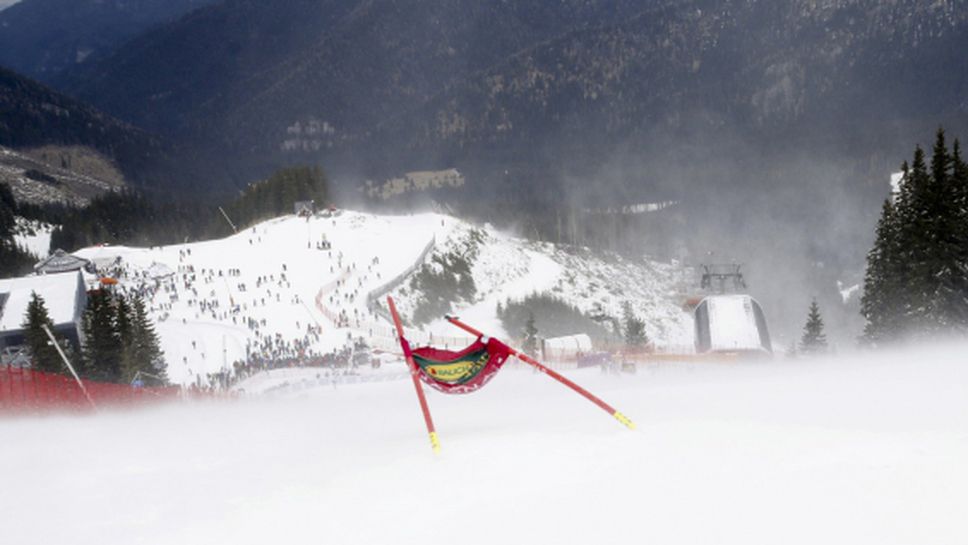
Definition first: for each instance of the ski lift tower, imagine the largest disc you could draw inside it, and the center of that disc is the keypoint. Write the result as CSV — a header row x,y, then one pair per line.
x,y
722,278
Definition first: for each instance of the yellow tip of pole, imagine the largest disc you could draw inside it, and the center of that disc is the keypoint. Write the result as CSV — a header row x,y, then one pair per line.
x,y
434,442
624,420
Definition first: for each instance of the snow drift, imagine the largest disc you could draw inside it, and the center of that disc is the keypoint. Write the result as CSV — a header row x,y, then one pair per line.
x,y
853,451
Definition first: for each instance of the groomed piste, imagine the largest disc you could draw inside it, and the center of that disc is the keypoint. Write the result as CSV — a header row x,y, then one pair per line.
x,y
860,450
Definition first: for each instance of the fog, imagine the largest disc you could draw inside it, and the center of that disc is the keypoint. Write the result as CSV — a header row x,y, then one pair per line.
x,y
861,449
798,220
777,153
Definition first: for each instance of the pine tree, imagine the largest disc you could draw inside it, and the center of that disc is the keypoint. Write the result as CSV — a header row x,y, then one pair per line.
x,y
913,242
146,355
530,343
44,354
950,233
124,327
634,328
917,275
882,301
102,350
8,209
938,212
814,341
13,259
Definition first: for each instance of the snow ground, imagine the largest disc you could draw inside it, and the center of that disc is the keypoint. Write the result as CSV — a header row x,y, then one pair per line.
x,y
199,340
598,284
202,312
854,450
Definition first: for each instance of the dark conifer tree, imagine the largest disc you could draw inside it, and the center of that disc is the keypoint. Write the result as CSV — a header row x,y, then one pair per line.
x,y
530,342
145,354
8,208
13,259
44,354
882,302
950,301
124,327
814,340
917,275
914,215
634,328
276,196
102,350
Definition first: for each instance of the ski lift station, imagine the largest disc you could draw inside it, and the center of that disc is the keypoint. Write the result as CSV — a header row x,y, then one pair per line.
x,y
729,323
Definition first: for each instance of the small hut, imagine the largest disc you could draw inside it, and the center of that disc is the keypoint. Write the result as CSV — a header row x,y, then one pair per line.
x,y
60,262
304,209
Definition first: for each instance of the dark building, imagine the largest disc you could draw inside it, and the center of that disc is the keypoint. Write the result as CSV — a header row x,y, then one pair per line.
x,y
60,262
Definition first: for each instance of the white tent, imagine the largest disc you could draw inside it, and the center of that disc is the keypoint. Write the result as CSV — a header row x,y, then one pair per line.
x,y
570,346
159,270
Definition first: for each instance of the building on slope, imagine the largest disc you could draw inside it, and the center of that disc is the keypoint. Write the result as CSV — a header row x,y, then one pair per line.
x,y
64,296
568,347
304,209
728,322
731,324
60,262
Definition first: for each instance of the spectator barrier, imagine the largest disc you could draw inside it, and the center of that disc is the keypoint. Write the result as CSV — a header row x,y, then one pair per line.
x,y
27,390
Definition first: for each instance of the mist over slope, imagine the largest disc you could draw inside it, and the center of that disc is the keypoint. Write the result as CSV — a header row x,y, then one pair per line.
x,y
858,450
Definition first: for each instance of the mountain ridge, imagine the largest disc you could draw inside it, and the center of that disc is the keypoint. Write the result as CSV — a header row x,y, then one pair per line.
x,y
452,82
33,115
43,38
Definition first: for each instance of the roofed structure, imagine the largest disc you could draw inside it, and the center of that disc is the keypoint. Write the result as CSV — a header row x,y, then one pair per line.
x,y
304,209
732,324
570,346
60,262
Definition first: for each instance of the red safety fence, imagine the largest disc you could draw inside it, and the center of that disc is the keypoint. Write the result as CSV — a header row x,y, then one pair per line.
x,y
25,390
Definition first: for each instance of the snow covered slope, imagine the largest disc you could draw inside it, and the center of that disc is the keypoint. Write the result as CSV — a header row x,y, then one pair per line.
x,y
506,267
295,285
811,451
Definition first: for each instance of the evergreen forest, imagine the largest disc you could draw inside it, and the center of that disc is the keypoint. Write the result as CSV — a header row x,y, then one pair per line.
x,y
916,284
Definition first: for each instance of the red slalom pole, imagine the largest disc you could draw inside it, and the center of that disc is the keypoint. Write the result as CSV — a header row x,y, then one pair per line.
x,y
434,442
553,374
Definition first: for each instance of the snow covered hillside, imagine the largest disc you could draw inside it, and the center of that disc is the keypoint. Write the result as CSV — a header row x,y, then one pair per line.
x,y
805,452
295,287
505,267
